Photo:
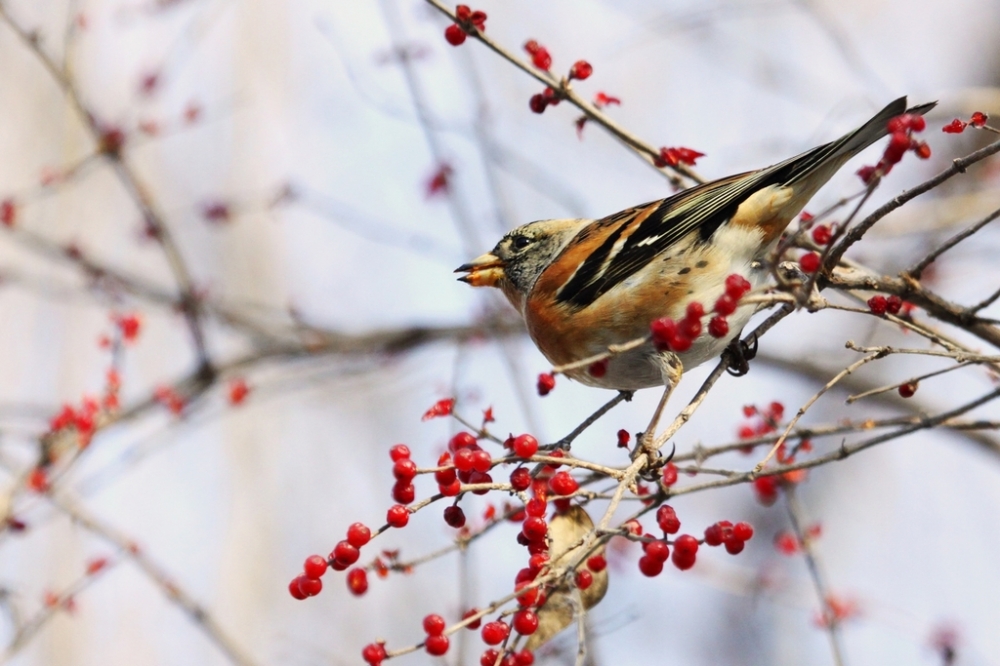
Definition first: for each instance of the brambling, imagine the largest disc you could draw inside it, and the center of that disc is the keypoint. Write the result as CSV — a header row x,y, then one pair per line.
x,y
584,285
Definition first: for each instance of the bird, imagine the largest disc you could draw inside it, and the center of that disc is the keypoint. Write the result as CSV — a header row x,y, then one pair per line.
x,y
583,286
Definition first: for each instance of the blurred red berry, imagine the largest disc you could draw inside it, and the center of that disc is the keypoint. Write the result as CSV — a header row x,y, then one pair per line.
x,y
581,70
454,35
809,262
954,127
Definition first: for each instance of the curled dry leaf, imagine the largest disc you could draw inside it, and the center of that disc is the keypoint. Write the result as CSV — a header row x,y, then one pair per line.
x,y
565,530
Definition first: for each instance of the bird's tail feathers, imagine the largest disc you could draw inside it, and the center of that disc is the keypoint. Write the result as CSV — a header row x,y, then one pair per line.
x,y
835,153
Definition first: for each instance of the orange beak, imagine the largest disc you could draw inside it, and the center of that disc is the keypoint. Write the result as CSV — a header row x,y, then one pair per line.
x,y
483,271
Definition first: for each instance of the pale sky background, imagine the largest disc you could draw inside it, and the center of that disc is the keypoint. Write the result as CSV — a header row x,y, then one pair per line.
x,y
230,501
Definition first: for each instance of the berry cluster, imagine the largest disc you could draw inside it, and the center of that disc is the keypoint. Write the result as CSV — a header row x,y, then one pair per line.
x,y
679,336
466,463
901,129
540,56
733,536
466,21
344,554
978,120
880,305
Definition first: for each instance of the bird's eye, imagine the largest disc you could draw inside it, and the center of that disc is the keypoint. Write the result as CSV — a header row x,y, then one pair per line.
x,y
520,242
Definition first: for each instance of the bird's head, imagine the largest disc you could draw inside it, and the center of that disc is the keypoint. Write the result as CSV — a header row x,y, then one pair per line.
x,y
520,257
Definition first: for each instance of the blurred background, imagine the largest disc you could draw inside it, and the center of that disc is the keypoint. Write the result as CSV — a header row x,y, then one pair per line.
x,y
318,170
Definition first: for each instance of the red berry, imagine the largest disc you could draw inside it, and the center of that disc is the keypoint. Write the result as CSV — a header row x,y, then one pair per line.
x,y
404,470
525,446
8,212
454,34
598,368
581,70
597,563
315,566
463,12
899,142
295,590
681,343
358,534
669,474
633,527
658,550
683,561
399,452
650,566
464,460
893,304
907,390
454,516
310,586
489,658
687,544
520,479
743,531
546,382
623,439
922,150
538,103
954,127
877,304
663,331
481,461
397,516
535,507
734,546
713,535
978,119
866,174
688,328
436,645
474,624
821,234
718,327
452,489
766,489
434,625
584,579
447,476
725,305
534,528
495,632
524,658
404,492
897,124
666,518
737,286
373,654
541,58
809,262
563,484
480,478
461,440
357,581
695,310
344,553
525,622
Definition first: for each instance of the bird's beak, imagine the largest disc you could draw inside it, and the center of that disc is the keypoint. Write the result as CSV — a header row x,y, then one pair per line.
x,y
483,271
